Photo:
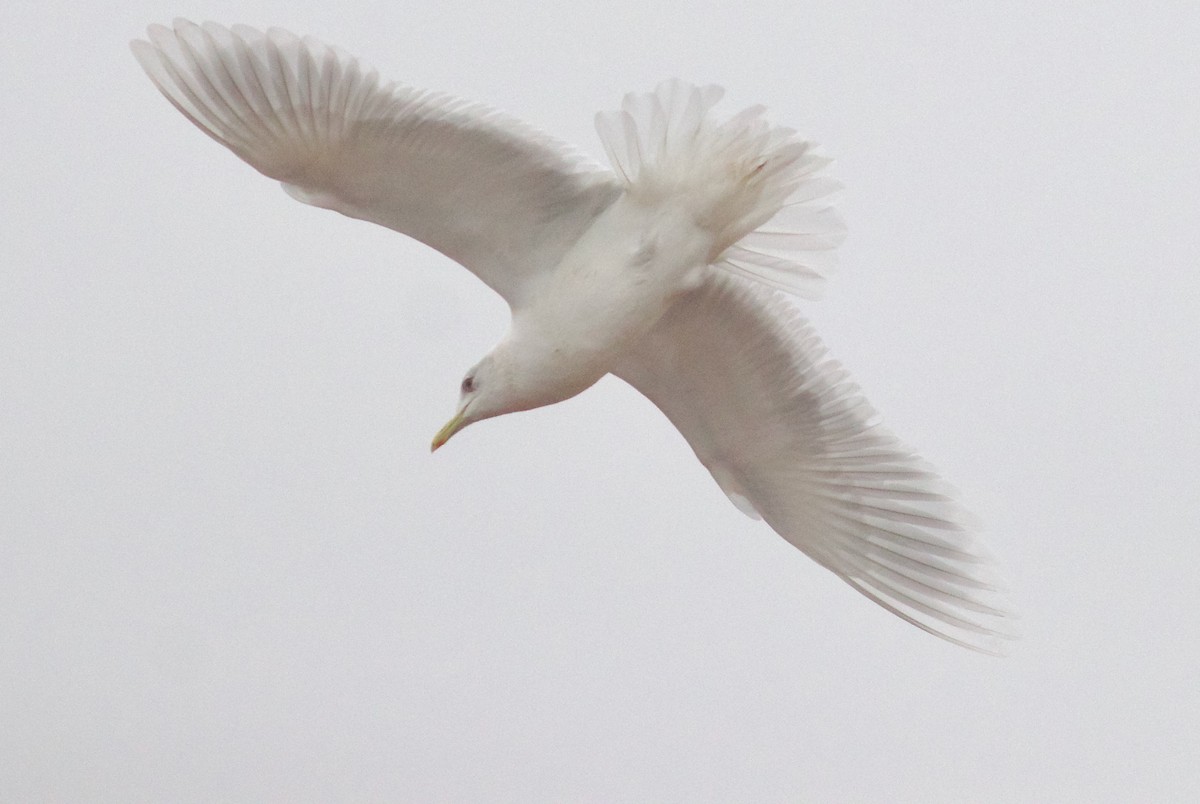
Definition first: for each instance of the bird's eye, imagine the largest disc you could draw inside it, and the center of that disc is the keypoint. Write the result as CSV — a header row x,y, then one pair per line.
x,y
468,384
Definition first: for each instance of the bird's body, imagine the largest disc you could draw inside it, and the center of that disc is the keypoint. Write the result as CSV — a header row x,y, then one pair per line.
x,y
667,273
612,287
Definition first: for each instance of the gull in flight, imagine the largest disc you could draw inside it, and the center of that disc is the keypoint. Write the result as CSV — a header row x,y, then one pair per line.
x,y
675,271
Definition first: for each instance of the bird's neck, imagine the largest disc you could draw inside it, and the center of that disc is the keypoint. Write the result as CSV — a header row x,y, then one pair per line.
x,y
540,370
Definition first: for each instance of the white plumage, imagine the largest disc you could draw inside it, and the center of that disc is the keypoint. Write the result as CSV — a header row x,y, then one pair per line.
x,y
667,273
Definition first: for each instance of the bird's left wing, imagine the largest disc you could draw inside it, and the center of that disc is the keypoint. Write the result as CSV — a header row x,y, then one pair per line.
x,y
790,439
487,191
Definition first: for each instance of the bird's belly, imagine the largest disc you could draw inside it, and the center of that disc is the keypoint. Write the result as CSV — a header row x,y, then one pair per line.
x,y
618,280
615,312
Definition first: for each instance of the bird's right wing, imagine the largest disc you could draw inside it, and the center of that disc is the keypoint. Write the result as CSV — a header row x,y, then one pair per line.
x,y
790,438
485,190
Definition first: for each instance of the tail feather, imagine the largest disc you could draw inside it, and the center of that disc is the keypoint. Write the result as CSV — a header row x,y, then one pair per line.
x,y
754,185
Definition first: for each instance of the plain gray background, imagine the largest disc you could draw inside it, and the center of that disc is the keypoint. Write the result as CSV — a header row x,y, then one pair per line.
x,y
230,568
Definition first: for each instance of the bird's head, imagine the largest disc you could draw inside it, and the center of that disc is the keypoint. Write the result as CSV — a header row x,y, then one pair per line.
x,y
484,392
524,371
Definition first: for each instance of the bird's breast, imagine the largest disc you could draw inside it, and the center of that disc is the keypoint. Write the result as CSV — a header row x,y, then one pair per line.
x,y
615,284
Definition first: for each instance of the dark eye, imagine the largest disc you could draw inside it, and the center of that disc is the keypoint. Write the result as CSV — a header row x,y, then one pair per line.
x,y
468,384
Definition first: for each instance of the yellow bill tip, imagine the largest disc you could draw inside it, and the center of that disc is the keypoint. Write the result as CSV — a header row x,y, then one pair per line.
x,y
447,432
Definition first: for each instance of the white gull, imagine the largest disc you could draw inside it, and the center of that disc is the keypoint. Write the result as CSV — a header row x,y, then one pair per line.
x,y
673,272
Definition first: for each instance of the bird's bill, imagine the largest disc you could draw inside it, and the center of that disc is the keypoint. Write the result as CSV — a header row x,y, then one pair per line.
x,y
452,427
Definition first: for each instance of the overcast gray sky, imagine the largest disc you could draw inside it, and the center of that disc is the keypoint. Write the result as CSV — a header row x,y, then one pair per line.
x,y
230,568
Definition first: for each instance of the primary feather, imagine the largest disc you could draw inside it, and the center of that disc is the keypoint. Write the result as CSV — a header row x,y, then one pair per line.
x,y
667,273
